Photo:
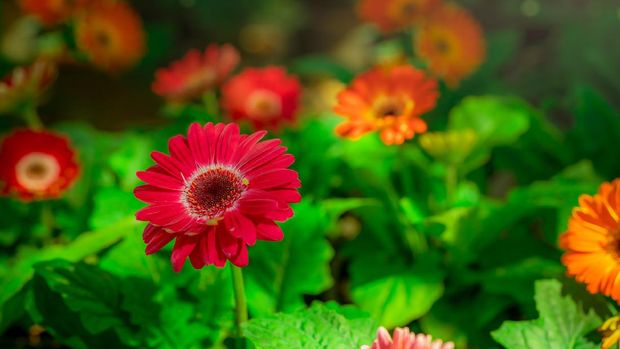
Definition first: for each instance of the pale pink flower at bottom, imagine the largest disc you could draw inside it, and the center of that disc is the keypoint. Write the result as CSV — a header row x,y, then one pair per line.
x,y
405,339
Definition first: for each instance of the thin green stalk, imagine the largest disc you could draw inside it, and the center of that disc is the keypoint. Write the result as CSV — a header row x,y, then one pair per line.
x,y
32,118
451,182
241,306
211,103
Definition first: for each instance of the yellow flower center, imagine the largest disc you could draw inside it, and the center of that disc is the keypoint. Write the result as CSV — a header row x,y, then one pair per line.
x,y
264,105
37,171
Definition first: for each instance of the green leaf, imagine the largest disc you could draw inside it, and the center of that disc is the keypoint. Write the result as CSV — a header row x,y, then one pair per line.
x,y
496,121
132,156
86,244
561,323
396,295
282,272
87,290
318,65
50,311
596,128
317,327
112,205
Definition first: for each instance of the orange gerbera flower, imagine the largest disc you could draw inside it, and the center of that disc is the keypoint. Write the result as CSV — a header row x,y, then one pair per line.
x,y
592,242
393,15
389,100
110,33
452,43
51,12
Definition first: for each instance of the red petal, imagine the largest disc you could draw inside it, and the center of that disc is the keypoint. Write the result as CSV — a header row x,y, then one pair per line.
x,y
183,246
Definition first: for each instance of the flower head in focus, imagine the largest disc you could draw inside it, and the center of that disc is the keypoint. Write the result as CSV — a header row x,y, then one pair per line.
x,y
51,12
405,339
387,100
110,33
266,97
217,193
393,15
452,43
196,73
36,165
24,85
592,241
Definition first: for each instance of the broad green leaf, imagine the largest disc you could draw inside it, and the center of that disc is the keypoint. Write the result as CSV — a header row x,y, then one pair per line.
x,y
128,258
561,323
133,155
87,290
50,311
496,121
396,295
596,128
318,327
280,273
321,66
112,205
85,245
516,279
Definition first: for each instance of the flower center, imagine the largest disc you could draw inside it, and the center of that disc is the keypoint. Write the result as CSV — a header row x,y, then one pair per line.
x,y
409,9
613,243
203,79
213,191
390,108
103,38
442,46
37,171
264,105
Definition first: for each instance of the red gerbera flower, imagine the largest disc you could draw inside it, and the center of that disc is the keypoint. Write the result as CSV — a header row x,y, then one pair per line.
x,y
36,165
196,73
51,12
216,193
266,97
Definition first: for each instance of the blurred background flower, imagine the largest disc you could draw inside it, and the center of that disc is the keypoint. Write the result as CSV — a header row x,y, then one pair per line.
x,y
388,100
36,165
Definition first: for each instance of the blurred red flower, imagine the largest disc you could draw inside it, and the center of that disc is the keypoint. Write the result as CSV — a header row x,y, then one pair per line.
x,y
405,339
216,193
110,32
51,12
36,165
25,84
266,97
592,242
388,100
196,73
451,41
393,15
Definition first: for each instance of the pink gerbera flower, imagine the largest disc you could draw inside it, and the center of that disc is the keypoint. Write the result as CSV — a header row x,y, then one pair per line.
x,y
196,73
216,193
405,339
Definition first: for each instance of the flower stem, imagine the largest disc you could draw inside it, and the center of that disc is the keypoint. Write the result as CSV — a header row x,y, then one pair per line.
x,y
32,118
241,306
451,182
211,104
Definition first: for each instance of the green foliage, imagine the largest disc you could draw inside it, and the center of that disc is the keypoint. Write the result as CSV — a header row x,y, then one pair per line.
x,y
318,327
444,234
496,121
299,265
562,323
